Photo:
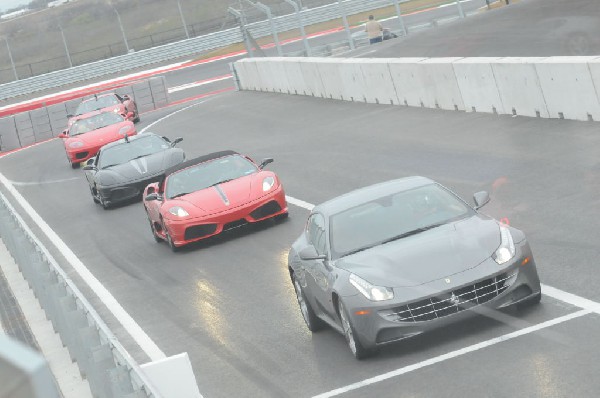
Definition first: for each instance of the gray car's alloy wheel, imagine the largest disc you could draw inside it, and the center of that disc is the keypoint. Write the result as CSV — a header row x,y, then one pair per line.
x,y
356,347
310,318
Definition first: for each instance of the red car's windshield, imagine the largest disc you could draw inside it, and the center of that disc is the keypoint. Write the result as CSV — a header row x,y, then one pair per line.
x,y
95,104
95,122
207,174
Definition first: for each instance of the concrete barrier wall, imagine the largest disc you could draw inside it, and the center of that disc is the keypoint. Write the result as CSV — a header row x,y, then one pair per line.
x,y
553,87
41,124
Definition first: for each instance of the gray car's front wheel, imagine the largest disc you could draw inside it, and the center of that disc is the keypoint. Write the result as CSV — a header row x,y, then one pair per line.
x,y
312,321
356,347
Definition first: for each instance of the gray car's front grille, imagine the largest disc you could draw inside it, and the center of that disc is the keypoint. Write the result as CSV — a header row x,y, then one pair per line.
x,y
450,302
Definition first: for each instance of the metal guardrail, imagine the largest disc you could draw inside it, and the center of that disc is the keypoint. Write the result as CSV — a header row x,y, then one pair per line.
x,y
182,48
109,369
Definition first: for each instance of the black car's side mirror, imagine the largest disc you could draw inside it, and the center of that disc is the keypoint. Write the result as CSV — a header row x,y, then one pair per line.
x,y
176,141
481,199
152,196
89,167
310,253
265,162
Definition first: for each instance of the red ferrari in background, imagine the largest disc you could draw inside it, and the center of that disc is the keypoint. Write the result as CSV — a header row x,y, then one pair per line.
x,y
84,138
109,102
210,194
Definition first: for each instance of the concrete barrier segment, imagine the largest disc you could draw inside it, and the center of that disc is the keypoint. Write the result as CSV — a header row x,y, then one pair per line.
x,y
477,85
568,88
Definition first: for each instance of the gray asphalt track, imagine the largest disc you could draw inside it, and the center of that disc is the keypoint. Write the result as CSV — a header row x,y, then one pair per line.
x,y
228,302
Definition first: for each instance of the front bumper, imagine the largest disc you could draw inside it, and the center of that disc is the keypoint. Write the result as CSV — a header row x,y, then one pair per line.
x,y
190,230
82,154
439,303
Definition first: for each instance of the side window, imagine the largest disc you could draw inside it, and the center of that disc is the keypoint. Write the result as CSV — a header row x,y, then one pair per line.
x,y
316,233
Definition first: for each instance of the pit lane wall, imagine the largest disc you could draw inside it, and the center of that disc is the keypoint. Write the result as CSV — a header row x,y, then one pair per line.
x,y
553,87
27,128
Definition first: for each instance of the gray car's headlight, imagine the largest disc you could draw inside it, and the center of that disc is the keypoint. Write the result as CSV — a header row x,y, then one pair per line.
x,y
506,251
370,291
178,211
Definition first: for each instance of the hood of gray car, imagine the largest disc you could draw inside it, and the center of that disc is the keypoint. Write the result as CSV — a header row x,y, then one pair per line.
x,y
428,256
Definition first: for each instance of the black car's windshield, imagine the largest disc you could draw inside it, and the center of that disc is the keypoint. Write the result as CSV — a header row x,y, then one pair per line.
x,y
208,174
141,146
94,104
393,217
95,122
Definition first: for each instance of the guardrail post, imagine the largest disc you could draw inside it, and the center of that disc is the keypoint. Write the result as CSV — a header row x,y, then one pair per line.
x,y
400,20
183,20
460,9
12,62
122,29
300,25
260,6
346,26
242,19
64,39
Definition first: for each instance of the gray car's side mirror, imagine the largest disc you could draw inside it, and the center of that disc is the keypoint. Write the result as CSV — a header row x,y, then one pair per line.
x,y
176,141
265,162
481,199
89,167
310,253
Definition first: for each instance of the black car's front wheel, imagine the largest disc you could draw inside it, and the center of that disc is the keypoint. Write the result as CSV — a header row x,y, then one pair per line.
x,y
94,198
310,318
356,347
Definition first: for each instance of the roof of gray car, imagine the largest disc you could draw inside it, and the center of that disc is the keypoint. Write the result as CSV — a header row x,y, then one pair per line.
x,y
371,192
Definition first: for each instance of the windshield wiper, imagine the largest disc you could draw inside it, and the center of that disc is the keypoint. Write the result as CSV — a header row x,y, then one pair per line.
x,y
409,233
179,194
221,182
360,249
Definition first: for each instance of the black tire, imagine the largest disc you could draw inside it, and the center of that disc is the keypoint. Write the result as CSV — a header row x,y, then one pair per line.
x,y
170,242
153,229
74,165
530,302
313,322
281,217
137,118
104,205
94,198
354,344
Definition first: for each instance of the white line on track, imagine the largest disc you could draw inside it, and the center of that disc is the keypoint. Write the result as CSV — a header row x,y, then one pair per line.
x,y
171,114
453,354
22,184
198,83
132,327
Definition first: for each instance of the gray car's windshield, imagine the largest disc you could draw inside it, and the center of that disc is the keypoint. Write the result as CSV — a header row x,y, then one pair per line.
x,y
140,147
207,174
95,122
97,103
393,217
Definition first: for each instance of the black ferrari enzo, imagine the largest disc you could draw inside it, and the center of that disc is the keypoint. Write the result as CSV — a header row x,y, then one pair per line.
x,y
122,169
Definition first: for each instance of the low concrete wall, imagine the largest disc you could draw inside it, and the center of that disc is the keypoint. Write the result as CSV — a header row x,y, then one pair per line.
x,y
41,124
553,87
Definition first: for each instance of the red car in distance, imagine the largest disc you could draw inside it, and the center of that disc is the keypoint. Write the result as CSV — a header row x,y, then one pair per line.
x,y
210,194
84,138
109,102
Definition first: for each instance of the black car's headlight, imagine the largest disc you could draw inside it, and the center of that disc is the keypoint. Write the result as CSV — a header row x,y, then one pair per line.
x,y
370,291
506,250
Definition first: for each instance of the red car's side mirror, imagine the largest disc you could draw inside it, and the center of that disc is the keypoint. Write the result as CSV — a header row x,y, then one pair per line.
x,y
63,135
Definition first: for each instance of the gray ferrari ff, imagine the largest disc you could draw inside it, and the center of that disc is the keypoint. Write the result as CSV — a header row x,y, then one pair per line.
x,y
122,169
395,259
